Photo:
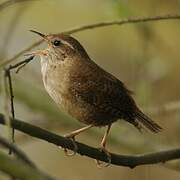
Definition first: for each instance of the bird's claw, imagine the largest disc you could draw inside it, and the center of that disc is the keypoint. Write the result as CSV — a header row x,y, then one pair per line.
x,y
74,151
101,164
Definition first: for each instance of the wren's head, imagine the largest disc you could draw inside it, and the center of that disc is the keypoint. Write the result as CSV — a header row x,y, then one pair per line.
x,y
61,47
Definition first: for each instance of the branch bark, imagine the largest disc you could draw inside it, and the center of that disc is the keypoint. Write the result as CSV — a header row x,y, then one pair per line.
x,y
120,160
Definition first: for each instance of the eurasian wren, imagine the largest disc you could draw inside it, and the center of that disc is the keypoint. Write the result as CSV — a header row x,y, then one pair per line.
x,y
84,90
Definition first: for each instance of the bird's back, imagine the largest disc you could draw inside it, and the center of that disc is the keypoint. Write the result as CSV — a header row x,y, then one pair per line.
x,y
100,97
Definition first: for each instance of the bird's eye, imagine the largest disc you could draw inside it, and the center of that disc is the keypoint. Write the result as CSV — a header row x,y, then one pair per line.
x,y
56,43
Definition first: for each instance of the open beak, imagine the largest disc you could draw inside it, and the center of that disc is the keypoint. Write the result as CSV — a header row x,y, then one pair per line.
x,y
39,52
40,34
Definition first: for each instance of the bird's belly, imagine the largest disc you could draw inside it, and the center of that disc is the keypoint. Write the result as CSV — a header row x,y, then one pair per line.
x,y
57,97
60,92
88,114
83,112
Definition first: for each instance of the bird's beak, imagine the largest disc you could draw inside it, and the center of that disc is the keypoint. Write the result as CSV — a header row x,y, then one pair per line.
x,y
40,34
39,52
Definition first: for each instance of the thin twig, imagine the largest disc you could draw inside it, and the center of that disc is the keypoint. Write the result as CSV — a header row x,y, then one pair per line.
x,y
17,152
21,64
123,21
8,75
131,20
6,103
6,107
9,93
120,160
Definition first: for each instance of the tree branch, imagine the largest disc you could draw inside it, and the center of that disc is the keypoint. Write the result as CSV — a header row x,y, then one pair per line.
x,y
131,20
120,160
7,74
123,21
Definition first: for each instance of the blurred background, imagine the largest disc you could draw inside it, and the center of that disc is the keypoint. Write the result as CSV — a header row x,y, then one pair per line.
x,y
144,56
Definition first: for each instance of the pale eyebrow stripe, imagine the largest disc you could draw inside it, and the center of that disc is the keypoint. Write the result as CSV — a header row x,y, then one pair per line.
x,y
65,42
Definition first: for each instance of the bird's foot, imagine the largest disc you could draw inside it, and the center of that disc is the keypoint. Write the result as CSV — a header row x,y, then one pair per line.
x,y
101,164
74,151
71,136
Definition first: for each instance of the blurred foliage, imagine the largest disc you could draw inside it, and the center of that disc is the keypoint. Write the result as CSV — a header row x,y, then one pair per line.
x,y
145,56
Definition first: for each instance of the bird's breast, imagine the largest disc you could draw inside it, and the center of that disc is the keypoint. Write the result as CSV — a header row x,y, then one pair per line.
x,y
55,80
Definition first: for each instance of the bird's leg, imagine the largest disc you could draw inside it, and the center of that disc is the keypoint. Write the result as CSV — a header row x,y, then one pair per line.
x,y
78,131
103,149
72,137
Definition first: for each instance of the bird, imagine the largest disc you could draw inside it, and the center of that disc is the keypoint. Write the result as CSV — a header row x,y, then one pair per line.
x,y
86,91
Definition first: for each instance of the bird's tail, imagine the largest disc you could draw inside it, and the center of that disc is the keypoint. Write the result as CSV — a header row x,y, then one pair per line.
x,y
147,122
